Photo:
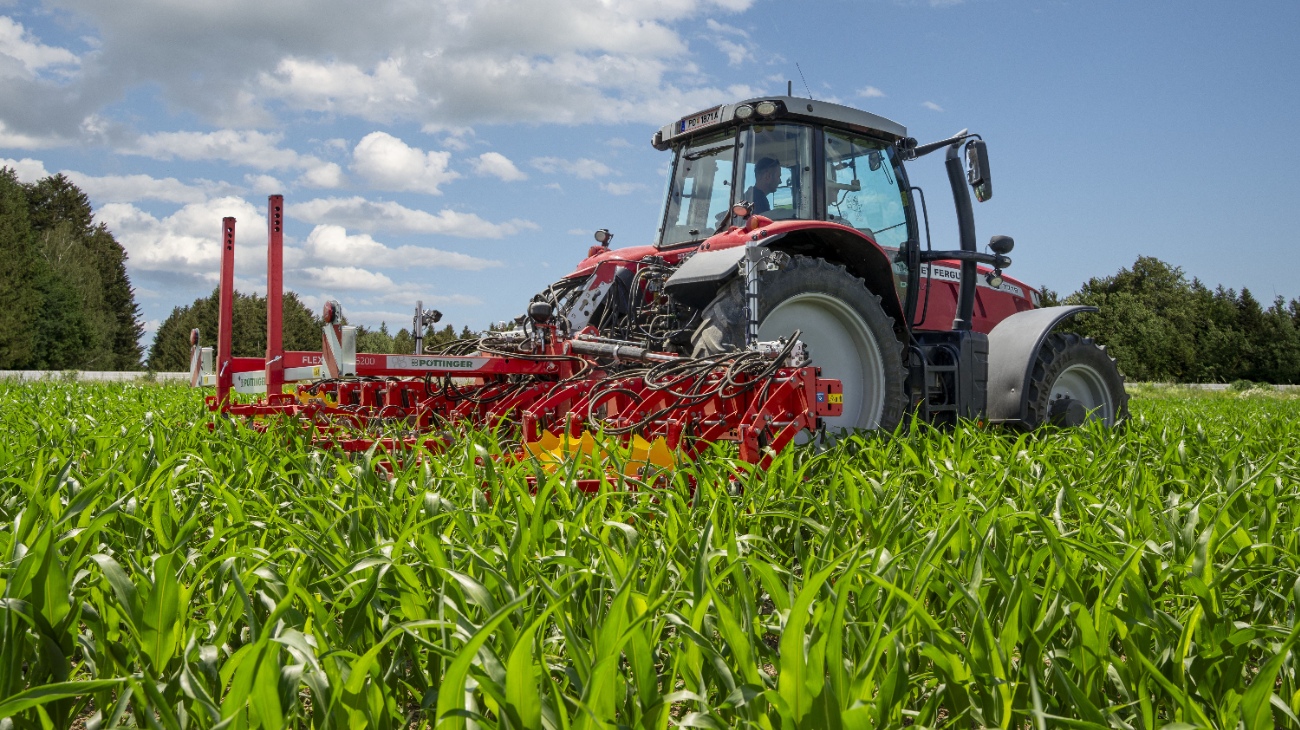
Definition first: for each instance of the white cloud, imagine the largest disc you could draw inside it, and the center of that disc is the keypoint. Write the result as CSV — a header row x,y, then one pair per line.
x,y
27,169
245,148
737,53
188,241
446,63
346,277
21,141
717,27
324,175
332,244
582,168
131,188
871,92
21,55
388,163
357,213
932,106
264,184
617,188
495,164
382,94
248,148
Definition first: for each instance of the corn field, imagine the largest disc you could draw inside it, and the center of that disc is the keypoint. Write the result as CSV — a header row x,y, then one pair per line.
x,y
155,574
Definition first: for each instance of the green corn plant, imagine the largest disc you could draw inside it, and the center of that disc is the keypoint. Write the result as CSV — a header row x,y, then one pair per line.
x,y
161,568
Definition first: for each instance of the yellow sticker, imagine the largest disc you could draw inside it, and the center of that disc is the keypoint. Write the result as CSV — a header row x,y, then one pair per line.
x,y
834,397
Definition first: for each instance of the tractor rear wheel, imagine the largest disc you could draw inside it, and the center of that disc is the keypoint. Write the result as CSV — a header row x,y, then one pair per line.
x,y
848,334
1073,382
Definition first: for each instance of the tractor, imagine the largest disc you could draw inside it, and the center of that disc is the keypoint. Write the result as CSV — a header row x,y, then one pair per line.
x,y
785,214
787,294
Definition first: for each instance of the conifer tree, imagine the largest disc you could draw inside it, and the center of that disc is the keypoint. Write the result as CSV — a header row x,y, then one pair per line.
x,y
20,295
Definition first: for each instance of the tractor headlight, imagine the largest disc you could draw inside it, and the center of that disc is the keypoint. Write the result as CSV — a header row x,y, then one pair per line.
x,y
765,108
744,111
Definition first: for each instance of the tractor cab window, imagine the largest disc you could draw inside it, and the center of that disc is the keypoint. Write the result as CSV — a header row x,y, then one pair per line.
x,y
863,189
776,166
699,195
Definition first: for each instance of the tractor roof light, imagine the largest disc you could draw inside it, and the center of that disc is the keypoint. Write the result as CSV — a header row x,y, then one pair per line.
x,y
744,111
765,108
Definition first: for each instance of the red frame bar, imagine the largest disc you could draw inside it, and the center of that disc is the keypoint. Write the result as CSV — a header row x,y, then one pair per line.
x,y
225,318
274,294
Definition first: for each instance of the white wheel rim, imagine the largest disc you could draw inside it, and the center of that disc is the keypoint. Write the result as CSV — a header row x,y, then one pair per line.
x,y
842,346
1085,385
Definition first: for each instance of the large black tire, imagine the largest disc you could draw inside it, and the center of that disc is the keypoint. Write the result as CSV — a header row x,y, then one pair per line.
x,y
847,332
1074,381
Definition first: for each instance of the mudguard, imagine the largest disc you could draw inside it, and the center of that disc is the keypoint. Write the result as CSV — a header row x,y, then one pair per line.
x,y
1013,345
696,281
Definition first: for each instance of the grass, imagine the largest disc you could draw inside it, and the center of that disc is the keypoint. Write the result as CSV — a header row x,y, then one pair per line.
x,y
155,574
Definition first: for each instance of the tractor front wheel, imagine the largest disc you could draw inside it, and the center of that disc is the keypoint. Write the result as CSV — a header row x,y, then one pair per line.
x,y
848,334
1073,382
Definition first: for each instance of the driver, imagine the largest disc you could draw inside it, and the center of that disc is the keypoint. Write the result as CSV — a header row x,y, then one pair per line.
x,y
767,176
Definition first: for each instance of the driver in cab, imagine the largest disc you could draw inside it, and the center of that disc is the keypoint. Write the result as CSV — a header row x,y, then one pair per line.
x,y
767,176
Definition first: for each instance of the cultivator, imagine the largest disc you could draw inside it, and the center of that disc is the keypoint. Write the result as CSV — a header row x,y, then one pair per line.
x,y
539,385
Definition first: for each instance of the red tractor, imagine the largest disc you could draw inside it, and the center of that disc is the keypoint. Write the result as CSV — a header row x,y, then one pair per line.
x,y
789,214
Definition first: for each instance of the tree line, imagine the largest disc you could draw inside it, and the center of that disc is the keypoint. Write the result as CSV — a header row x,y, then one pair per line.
x,y
65,300
301,331
66,303
1161,327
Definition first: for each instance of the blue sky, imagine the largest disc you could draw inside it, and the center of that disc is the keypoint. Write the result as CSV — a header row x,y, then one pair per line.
x,y
462,152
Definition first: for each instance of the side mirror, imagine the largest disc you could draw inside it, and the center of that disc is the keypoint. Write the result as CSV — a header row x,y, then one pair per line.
x,y
977,169
874,160
1001,245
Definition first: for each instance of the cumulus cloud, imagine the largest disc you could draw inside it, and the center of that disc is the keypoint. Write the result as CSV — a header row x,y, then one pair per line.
x,y
20,141
932,106
388,163
243,148
264,184
617,188
448,63
346,277
379,95
738,50
121,188
357,213
582,168
871,92
324,175
188,241
495,164
131,188
22,55
333,245
27,169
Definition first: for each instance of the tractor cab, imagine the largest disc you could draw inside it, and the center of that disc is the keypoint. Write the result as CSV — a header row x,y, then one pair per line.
x,y
785,159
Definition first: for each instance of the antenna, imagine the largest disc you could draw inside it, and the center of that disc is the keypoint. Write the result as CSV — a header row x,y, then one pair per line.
x,y
801,78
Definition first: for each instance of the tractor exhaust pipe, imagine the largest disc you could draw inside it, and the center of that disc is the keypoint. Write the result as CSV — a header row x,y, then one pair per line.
x,y
966,231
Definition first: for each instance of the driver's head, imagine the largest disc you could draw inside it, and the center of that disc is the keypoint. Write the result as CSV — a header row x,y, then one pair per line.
x,y
767,174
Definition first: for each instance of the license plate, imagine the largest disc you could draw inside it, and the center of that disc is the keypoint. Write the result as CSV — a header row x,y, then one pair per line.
x,y
703,119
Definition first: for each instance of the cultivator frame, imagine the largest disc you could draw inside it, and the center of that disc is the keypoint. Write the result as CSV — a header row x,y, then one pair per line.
x,y
538,381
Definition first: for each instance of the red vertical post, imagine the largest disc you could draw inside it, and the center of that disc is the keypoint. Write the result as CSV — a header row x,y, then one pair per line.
x,y
274,295
225,316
